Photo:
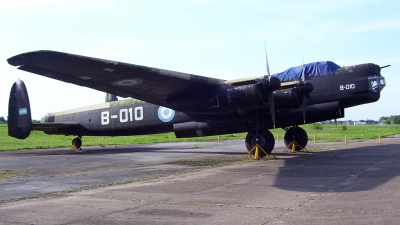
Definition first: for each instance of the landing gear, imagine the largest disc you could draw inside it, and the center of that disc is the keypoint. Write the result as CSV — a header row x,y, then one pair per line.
x,y
265,139
76,143
297,134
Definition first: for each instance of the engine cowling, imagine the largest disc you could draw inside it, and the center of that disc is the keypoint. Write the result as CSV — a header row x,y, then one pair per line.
x,y
245,96
254,95
287,98
227,98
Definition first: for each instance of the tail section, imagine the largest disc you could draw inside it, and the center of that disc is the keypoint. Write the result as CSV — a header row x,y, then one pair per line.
x,y
19,112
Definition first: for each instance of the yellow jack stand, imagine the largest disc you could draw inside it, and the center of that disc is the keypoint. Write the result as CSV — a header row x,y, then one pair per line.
x,y
293,145
75,148
256,150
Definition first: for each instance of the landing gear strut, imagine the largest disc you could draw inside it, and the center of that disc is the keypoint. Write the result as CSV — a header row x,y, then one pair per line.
x,y
76,143
261,138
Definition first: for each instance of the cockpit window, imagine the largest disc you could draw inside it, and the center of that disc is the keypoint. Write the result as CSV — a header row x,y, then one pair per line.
x,y
376,83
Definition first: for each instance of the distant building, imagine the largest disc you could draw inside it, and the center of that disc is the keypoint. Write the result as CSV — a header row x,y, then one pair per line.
x,y
359,123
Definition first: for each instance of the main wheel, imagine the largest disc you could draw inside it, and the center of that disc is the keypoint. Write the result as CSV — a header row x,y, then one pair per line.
x,y
77,142
265,139
298,134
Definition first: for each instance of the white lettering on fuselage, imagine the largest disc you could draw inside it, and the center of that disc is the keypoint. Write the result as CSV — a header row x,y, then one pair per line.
x,y
347,87
125,115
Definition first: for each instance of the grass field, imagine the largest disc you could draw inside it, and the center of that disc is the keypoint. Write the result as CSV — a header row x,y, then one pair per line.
x,y
329,133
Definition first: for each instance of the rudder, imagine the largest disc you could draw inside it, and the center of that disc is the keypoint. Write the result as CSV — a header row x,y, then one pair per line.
x,y
19,112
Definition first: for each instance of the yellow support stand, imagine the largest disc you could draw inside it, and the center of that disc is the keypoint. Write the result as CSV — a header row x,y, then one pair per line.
x,y
75,148
380,139
292,146
256,149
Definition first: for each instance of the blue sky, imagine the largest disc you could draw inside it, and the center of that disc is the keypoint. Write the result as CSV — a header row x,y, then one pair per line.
x,y
221,39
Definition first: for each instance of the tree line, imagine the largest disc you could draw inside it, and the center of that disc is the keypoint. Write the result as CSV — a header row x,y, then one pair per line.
x,y
390,119
4,121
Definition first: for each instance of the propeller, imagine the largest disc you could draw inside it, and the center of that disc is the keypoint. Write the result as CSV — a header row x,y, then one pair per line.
x,y
305,89
269,85
272,107
271,101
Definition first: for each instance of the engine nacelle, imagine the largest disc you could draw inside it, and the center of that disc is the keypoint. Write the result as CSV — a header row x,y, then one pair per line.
x,y
245,96
287,98
227,98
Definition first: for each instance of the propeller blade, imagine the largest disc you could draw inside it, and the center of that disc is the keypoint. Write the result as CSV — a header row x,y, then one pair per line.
x,y
305,89
272,107
309,99
303,106
266,59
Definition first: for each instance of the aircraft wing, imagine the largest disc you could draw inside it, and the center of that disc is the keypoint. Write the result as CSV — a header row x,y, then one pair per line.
x,y
122,79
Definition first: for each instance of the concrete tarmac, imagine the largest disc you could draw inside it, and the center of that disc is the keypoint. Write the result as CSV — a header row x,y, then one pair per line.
x,y
202,183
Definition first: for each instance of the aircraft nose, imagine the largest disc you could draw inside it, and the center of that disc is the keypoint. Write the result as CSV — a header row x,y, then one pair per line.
x,y
376,83
382,83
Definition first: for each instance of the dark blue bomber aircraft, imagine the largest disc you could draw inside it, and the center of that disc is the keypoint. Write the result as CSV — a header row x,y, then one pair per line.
x,y
191,105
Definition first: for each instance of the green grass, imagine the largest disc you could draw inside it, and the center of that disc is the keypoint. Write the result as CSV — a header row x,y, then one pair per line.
x,y
329,133
4,174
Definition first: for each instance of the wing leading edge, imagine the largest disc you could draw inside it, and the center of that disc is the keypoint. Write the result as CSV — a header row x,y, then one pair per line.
x,y
127,80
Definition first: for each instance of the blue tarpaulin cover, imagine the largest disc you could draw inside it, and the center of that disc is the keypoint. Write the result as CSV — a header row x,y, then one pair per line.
x,y
315,69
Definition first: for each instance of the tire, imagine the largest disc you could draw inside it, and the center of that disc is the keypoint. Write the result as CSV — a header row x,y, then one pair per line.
x,y
77,142
300,134
266,140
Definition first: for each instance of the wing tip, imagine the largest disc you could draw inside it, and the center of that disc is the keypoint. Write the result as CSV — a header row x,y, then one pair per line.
x,y
19,60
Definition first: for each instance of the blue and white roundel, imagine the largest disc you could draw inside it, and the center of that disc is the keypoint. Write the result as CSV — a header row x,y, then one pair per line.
x,y
165,114
127,82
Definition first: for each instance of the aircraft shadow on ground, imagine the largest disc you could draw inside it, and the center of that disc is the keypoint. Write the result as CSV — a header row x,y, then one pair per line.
x,y
343,170
346,170
135,149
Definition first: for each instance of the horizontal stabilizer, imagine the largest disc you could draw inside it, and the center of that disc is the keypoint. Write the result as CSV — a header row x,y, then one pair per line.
x,y
19,112
52,128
